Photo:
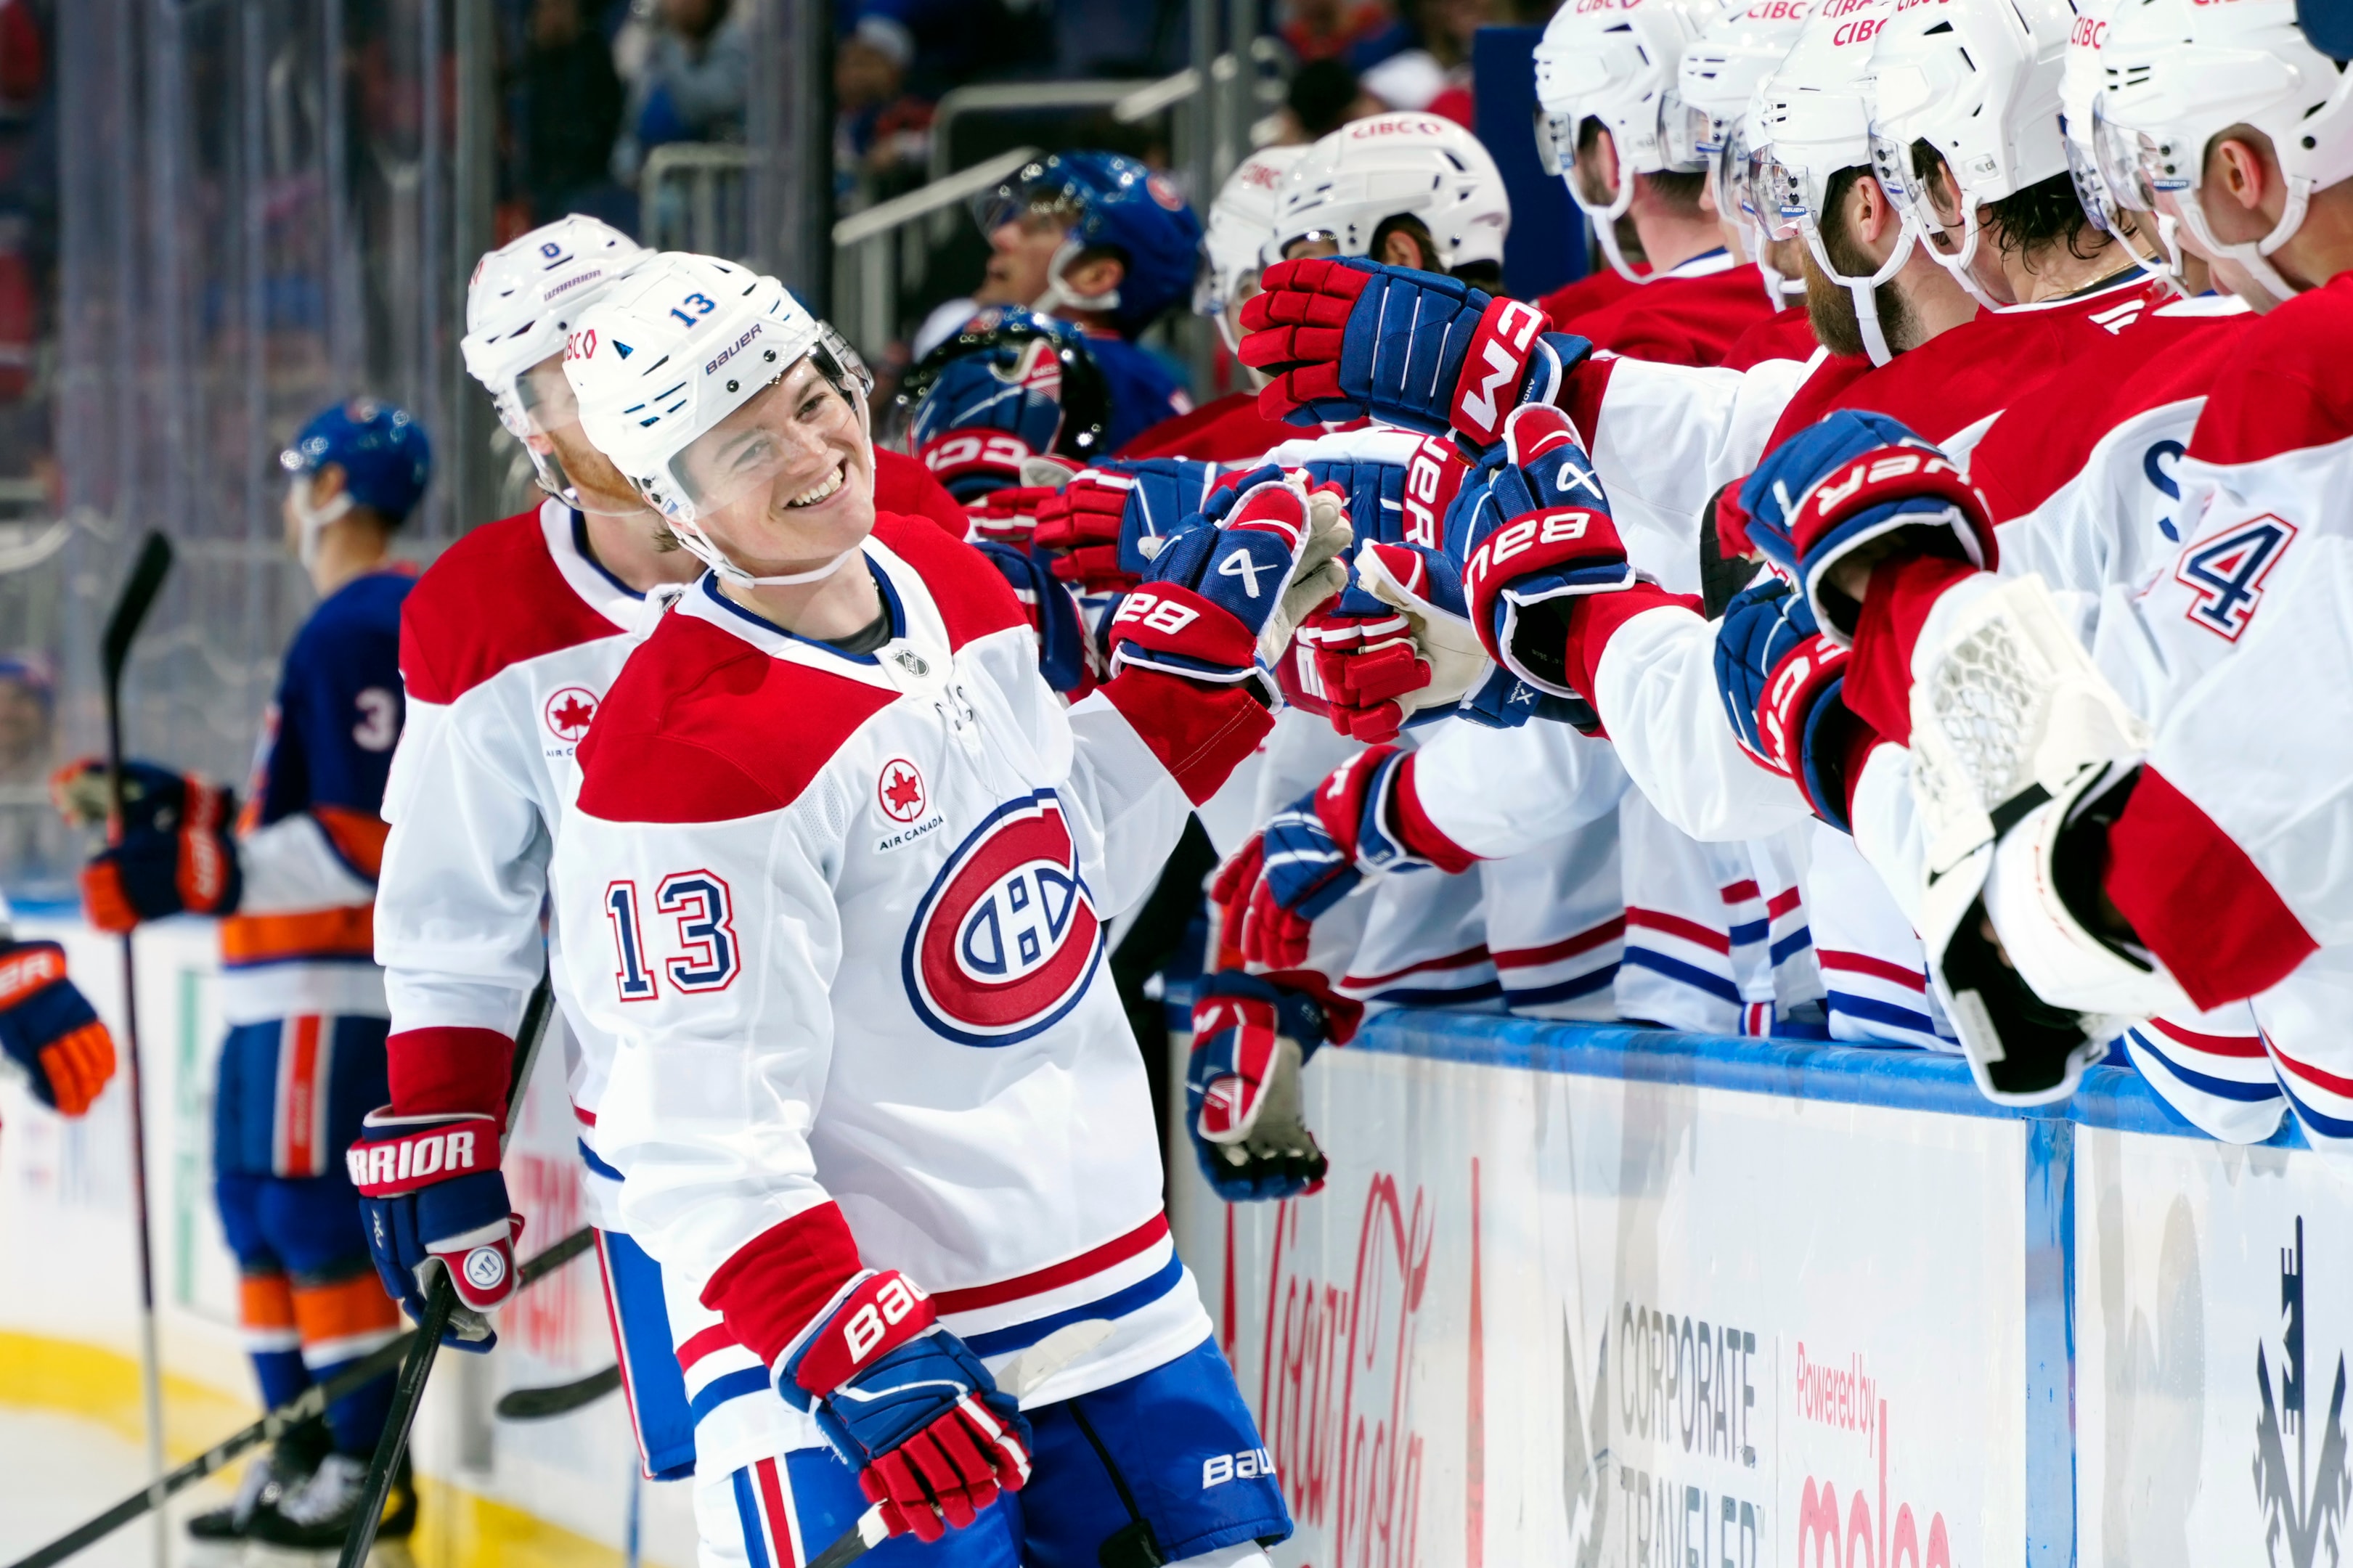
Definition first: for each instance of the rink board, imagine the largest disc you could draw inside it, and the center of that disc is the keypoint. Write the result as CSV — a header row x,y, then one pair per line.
x,y
1980,1336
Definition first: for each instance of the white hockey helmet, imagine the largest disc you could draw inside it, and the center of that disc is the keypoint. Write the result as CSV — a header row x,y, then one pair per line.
x,y
1616,61
1979,81
2080,79
1718,82
1392,165
1812,120
521,305
1233,244
2180,73
665,359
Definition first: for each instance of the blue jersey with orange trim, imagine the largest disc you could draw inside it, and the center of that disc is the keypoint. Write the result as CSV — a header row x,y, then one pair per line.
x,y
311,834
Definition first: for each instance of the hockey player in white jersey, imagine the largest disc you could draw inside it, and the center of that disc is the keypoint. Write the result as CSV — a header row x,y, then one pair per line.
x,y
509,644
852,860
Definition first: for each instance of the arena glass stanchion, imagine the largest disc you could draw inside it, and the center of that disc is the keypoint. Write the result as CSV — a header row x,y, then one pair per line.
x,y
440,1304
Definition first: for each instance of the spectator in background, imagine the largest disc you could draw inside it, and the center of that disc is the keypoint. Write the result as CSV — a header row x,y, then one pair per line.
x,y
1435,74
1361,32
1323,96
573,103
691,88
28,699
945,43
879,129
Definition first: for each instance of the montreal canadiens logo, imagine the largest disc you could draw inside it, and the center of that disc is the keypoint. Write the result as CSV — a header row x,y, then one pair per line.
x,y
568,713
1006,939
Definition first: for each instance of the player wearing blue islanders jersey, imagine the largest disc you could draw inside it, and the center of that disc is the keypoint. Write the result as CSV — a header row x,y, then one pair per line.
x,y
293,879
1103,242
874,1092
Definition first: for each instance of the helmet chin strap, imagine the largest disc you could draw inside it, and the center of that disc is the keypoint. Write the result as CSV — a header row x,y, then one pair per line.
x,y
1605,221
313,519
1956,263
1057,294
2254,257
1864,290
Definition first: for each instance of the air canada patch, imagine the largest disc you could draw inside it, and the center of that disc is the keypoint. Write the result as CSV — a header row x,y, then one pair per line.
x,y
1006,939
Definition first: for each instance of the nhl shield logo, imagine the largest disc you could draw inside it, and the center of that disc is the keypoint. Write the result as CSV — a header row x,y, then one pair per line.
x,y
1006,939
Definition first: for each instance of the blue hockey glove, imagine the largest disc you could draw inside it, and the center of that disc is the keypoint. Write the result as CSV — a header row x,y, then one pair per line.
x,y
1855,478
431,1197
49,1029
1222,599
1531,527
155,798
907,1405
1053,613
1504,701
1242,1088
1347,338
1782,683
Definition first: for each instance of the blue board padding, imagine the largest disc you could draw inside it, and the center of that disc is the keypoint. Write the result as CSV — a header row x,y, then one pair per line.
x,y
1547,245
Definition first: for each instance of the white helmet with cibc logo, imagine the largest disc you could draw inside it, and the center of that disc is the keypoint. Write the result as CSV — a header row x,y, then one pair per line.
x,y
1394,165
1616,61
1233,245
1718,81
1978,80
1812,119
663,360
2180,74
520,308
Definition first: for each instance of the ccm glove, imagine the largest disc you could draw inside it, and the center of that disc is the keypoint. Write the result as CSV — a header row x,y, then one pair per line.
x,y
908,1405
1242,1088
1399,645
1221,600
49,1029
1534,530
1347,337
432,1198
1853,482
1782,683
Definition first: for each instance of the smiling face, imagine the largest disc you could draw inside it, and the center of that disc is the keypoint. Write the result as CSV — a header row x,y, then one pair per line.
x,y
787,482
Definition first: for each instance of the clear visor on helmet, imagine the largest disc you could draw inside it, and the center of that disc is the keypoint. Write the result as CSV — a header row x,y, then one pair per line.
x,y
1908,191
540,408
1556,141
782,446
1689,136
1027,199
2091,191
2136,166
1778,197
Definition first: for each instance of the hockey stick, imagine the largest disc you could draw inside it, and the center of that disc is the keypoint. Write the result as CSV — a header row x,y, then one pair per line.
x,y
441,1305
1023,1377
139,591
539,1404
306,1405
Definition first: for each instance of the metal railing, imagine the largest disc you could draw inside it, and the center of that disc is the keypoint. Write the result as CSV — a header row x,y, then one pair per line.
x,y
696,196
866,246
